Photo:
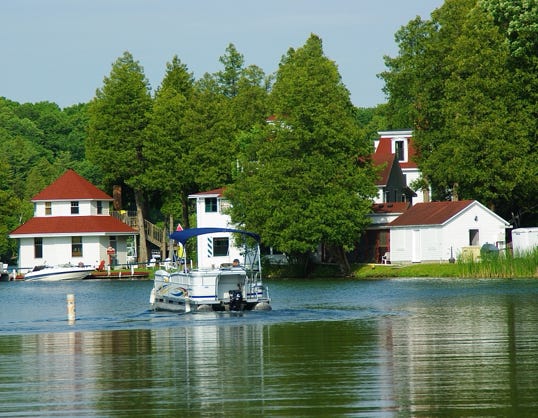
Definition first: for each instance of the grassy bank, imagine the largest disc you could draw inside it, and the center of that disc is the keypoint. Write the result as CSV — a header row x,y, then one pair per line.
x,y
500,265
496,265
368,271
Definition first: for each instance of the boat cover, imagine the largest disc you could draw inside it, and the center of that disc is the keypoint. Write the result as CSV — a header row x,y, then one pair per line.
x,y
183,236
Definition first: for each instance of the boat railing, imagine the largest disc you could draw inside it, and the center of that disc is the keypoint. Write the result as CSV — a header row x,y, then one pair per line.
x,y
255,287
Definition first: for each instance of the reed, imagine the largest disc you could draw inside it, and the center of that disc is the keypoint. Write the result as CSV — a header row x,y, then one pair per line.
x,y
504,264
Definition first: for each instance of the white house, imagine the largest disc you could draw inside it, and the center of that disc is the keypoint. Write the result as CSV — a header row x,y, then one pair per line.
x,y
437,231
400,144
72,224
219,248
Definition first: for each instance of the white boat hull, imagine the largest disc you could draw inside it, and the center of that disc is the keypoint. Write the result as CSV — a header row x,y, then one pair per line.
x,y
57,273
211,290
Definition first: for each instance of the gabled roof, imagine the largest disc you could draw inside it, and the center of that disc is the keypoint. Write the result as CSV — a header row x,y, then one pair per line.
x,y
437,213
71,186
52,225
431,213
379,159
210,193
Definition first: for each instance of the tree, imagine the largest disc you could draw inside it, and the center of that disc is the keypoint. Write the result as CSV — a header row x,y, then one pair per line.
x,y
483,150
228,78
470,99
118,117
210,129
305,179
166,146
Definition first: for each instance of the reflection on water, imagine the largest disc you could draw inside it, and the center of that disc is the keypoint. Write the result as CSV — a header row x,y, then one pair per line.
x,y
394,348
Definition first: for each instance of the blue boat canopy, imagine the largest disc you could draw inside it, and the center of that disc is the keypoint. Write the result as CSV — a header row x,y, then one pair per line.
x,y
183,236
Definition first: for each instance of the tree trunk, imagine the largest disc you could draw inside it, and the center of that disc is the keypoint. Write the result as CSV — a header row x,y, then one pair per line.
x,y
344,262
143,250
170,241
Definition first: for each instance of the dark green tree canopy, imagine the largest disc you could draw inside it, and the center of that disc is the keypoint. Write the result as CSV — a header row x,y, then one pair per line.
x,y
305,178
118,116
464,81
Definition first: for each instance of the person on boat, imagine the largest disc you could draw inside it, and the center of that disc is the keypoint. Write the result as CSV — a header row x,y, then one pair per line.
x,y
235,263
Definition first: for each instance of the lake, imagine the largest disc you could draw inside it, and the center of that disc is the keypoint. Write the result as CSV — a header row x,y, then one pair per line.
x,y
379,348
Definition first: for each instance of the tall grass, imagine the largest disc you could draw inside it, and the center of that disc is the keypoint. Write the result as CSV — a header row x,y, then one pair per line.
x,y
504,264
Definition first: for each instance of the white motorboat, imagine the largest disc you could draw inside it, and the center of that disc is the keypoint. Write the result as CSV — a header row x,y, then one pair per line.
x,y
59,272
227,288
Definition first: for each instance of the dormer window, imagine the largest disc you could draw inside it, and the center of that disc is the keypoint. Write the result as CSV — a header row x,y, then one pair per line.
x,y
399,150
74,208
48,208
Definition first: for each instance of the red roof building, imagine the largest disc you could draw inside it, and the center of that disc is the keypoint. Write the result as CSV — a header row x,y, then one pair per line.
x,y
441,231
398,146
72,223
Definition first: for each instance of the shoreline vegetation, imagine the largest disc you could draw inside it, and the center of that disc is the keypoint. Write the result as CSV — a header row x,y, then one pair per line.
x,y
491,265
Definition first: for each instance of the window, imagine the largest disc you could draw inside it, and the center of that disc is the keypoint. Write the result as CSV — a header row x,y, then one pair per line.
x,y
76,246
211,204
38,247
99,207
399,150
48,208
473,237
74,208
220,247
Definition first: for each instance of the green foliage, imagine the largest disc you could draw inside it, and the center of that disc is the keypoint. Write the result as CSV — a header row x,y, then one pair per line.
x,y
302,179
118,117
505,265
462,80
229,77
210,129
166,145
518,20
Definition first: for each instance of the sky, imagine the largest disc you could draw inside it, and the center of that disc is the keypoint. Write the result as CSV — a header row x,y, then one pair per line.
x,y
61,50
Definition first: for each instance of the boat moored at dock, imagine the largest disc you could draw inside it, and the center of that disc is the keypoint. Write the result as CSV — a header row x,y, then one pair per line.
x,y
57,273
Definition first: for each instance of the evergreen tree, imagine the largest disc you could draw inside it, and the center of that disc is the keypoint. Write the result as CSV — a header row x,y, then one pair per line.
x,y
166,147
118,117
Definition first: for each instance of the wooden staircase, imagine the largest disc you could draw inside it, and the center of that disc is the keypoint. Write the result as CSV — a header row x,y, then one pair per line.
x,y
154,234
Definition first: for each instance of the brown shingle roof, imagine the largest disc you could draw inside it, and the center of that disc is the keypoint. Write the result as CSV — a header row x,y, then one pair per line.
x,y
217,192
73,225
71,186
391,207
431,213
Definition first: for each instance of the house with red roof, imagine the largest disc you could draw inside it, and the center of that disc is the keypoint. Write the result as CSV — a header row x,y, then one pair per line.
x,y
72,223
397,146
439,231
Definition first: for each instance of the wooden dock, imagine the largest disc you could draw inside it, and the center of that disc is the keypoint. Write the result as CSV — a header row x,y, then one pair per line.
x,y
118,274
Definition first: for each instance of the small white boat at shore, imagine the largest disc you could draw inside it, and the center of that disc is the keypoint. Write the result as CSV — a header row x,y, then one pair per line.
x,y
57,273
226,288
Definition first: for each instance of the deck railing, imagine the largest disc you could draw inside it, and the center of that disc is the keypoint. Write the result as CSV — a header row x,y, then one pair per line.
x,y
154,233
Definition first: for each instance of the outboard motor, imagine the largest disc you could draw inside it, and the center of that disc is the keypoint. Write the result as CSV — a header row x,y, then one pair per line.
x,y
235,300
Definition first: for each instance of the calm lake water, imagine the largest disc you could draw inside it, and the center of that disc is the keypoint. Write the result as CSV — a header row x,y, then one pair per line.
x,y
383,348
